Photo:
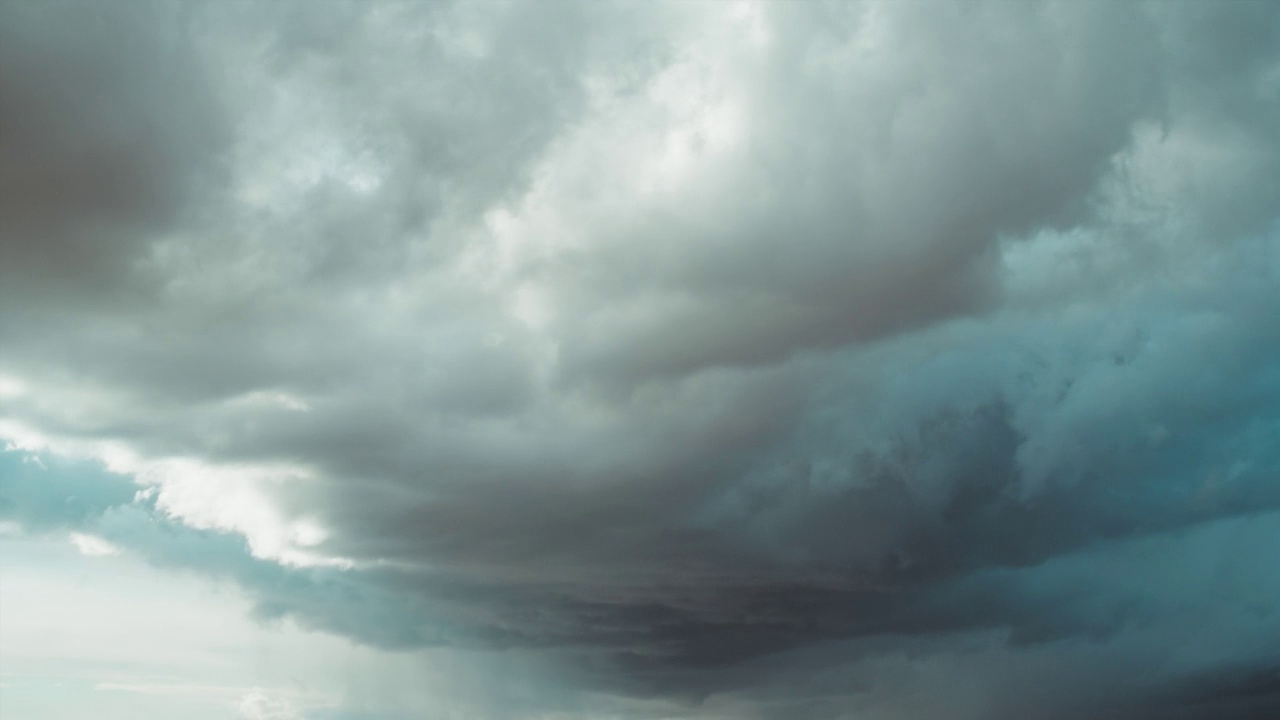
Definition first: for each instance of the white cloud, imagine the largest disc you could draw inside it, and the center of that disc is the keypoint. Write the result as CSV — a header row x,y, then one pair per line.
x,y
92,546
258,704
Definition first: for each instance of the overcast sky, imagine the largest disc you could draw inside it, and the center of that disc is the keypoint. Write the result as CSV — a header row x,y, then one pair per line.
x,y
717,360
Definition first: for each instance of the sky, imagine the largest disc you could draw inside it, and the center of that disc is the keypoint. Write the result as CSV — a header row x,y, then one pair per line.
x,y
723,360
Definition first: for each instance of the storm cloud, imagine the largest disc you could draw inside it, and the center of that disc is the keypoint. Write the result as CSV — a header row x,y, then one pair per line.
x,y
752,360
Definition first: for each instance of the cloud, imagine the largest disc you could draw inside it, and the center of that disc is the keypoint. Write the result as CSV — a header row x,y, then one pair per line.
x,y
258,705
693,348
92,546
108,128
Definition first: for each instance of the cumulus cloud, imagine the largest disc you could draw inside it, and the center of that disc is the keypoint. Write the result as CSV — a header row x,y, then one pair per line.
x,y
697,348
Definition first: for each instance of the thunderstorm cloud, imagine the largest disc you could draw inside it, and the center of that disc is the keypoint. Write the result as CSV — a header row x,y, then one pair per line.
x,y
691,359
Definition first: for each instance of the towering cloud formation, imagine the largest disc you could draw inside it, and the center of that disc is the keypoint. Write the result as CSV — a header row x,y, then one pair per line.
x,y
758,360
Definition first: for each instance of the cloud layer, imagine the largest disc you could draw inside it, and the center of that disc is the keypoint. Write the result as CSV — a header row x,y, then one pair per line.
x,y
830,359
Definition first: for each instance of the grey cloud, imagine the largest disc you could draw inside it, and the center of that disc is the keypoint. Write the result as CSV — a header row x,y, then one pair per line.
x,y
864,203
108,127
842,349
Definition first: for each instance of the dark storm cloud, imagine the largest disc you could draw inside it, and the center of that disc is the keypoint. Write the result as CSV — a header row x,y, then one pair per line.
x,y
107,126
770,360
